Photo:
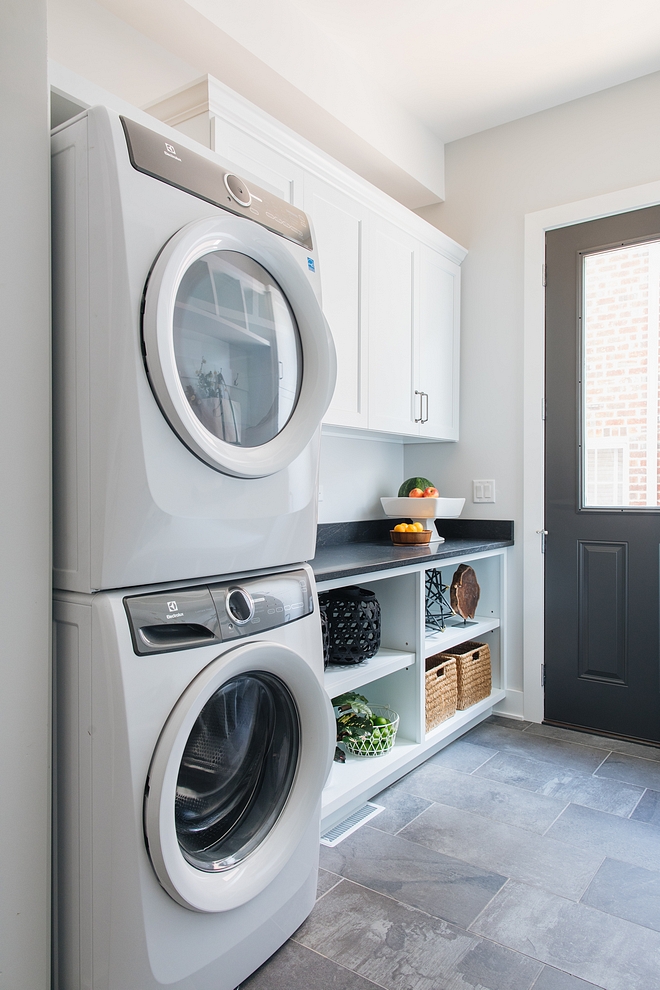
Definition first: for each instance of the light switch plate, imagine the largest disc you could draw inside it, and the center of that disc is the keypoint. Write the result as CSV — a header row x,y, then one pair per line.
x,y
483,490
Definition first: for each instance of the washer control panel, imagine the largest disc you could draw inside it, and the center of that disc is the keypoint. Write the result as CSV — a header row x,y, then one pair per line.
x,y
262,603
186,618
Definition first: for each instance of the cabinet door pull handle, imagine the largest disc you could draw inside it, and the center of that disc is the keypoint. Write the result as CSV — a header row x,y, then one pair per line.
x,y
425,399
421,400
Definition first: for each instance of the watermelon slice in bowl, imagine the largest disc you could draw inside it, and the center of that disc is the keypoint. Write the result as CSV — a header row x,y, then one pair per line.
x,y
408,486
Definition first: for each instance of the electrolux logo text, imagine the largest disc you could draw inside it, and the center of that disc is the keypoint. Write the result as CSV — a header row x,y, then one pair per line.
x,y
170,151
174,611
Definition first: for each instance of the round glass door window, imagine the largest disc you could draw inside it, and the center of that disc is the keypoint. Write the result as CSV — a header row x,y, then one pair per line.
x,y
237,348
237,770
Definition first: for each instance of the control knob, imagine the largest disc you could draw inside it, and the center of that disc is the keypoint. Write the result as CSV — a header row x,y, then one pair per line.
x,y
239,605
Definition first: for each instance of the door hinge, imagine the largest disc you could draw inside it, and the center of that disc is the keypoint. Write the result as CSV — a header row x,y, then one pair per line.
x,y
542,675
543,534
544,274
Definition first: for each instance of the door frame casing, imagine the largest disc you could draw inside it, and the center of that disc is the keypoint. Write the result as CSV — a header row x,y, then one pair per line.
x,y
536,225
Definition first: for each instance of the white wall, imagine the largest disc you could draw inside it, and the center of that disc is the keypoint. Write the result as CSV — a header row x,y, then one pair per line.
x,y
353,476
144,49
101,47
598,144
24,499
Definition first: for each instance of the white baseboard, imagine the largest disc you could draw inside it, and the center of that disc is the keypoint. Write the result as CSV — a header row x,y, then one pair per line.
x,y
512,706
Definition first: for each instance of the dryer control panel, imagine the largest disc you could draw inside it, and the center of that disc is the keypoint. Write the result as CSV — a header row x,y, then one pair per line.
x,y
156,156
186,618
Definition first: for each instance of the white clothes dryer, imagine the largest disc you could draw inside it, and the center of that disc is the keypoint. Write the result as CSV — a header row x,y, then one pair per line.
x,y
194,737
192,363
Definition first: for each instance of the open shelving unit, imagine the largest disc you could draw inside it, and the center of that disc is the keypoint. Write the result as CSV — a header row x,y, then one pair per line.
x,y
395,675
339,679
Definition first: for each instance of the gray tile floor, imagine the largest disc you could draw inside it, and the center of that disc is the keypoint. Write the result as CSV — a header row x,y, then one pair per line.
x,y
522,856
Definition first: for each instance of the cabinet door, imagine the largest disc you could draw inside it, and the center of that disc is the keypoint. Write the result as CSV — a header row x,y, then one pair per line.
x,y
391,313
338,224
437,344
253,159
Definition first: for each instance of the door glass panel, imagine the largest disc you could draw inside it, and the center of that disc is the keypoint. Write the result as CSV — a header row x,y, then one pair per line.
x,y
621,315
237,770
237,348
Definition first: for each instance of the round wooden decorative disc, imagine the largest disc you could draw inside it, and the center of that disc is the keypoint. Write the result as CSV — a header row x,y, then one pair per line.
x,y
464,592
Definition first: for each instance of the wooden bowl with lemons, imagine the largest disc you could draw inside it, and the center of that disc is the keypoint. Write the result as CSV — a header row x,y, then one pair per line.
x,y
406,534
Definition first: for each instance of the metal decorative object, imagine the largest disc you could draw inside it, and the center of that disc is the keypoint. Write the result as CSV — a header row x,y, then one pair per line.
x,y
438,608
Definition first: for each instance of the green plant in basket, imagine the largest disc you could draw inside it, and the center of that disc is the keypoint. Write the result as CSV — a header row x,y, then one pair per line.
x,y
365,730
354,717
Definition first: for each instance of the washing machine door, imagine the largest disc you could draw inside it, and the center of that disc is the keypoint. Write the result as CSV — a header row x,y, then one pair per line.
x,y
237,349
237,776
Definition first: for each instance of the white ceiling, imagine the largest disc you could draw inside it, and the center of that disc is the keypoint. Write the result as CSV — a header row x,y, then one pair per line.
x,y
462,66
380,85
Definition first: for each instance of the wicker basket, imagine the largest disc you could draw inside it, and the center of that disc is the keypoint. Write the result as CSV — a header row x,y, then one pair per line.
x,y
472,671
441,689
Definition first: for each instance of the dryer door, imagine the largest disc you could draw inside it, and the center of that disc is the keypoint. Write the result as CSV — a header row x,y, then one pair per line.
x,y
238,352
237,775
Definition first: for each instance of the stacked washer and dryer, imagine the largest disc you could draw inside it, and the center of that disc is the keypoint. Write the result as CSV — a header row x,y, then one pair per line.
x,y
192,367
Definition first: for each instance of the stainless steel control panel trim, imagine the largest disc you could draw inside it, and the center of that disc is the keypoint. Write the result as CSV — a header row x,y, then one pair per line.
x,y
188,618
151,153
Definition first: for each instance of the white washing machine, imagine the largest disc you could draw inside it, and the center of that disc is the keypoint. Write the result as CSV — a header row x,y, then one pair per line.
x,y
192,363
193,740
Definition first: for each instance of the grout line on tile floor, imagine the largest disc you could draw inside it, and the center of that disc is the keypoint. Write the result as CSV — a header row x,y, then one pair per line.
x,y
555,819
497,753
468,930
555,969
433,917
336,963
414,907
527,955
408,823
475,920
617,917
636,806
321,896
601,763
579,899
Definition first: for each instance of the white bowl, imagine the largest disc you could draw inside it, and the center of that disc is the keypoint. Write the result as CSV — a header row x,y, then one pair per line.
x,y
422,508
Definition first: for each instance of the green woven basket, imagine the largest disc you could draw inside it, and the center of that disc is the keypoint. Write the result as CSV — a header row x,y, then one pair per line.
x,y
381,738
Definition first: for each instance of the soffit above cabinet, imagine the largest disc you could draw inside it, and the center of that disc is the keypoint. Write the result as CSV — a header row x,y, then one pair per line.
x,y
192,108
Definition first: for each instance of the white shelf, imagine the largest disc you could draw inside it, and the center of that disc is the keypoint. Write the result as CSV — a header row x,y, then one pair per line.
x,y
337,679
347,781
460,719
401,592
456,633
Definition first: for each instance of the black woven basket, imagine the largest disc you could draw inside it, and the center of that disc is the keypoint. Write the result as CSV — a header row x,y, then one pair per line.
x,y
325,631
353,616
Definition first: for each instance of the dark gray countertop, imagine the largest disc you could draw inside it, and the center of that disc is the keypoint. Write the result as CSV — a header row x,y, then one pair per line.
x,y
345,549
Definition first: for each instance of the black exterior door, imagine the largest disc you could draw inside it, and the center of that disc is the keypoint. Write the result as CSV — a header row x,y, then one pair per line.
x,y
602,479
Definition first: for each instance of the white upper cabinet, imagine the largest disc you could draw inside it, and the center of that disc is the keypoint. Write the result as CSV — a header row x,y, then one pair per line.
x,y
414,336
392,257
390,281
339,232
437,345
